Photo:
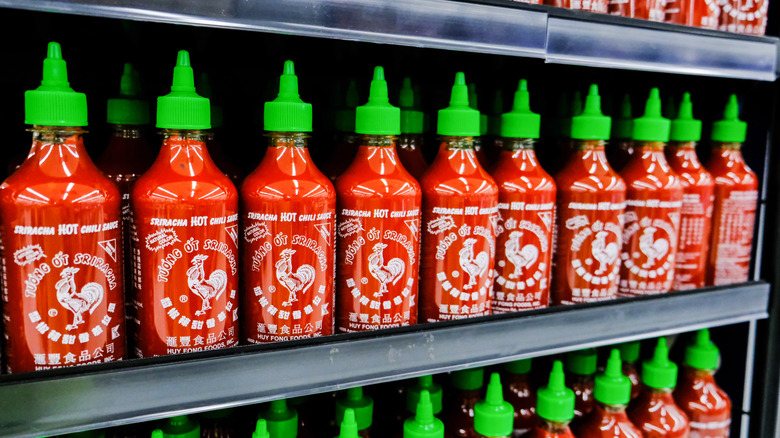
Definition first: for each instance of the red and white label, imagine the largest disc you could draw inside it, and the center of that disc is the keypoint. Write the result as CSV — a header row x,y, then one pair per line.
x,y
732,236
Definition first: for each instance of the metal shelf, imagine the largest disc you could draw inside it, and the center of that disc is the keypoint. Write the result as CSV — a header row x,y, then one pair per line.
x,y
36,404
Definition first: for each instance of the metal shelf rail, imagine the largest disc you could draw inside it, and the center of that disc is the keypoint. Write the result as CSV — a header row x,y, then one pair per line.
x,y
146,389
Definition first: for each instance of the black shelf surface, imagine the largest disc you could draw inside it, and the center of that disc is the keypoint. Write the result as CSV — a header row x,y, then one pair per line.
x,y
73,399
483,26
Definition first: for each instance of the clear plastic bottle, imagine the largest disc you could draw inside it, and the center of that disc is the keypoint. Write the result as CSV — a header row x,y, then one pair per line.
x,y
458,413
519,392
554,407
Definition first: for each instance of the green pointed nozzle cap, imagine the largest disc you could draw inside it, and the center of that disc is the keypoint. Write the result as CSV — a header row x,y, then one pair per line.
x,y
684,126
345,117
349,427
458,119
282,421
261,429
361,404
521,122
493,417
581,362
378,117
612,387
555,402
181,426
629,351
522,366
183,108
659,372
411,119
625,123
469,379
424,383
591,124
54,103
652,126
424,424
702,354
128,108
287,113
157,433
730,129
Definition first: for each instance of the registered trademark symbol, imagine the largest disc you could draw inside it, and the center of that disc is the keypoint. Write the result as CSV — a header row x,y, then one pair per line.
x,y
52,312
364,280
183,298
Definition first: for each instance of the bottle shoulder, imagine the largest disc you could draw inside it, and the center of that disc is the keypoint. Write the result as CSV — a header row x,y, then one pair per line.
x,y
263,187
29,186
172,188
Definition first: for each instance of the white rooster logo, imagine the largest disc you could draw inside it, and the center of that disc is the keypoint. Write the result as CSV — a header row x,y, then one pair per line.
x,y
385,274
474,266
77,301
523,257
603,253
298,281
206,289
653,249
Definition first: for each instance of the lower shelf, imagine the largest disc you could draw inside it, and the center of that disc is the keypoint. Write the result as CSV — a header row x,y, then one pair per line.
x,y
74,399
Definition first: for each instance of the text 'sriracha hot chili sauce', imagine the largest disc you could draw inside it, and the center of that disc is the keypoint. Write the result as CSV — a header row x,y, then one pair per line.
x,y
346,140
698,187
708,407
185,212
653,204
591,199
378,225
288,210
554,407
494,417
526,206
620,147
60,239
519,391
736,198
214,136
423,424
479,150
460,205
411,140
743,16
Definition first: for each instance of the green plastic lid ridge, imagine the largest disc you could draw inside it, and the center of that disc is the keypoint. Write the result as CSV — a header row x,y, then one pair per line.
x,y
684,126
183,108
522,366
469,379
659,372
128,108
459,119
282,421
652,126
555,402
378,117
362,405
629,351
702,354
730,129
288,113
494,417
582,362
625,123
423,424
424,383
591,124
612,387
261,429
412,120
521,122
54,103
181,426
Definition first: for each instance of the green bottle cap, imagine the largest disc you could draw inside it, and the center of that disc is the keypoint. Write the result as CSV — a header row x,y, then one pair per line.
x,y
702,354
157,433
591,124
625,123
411,118
204,89
659,372
362,405
730,129
128,108
483,120
261,429
287,113
522,366
424,383
612,387
183,108
493,417
629,351
494,119
469,379
349,427
581,362
423,424
458,119
555,402
652,126
521,122
54,103
685,127
378,117
282,421
181,426
345,117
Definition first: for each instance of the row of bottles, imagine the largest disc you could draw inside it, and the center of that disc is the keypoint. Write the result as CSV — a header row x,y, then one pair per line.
x,y
460,243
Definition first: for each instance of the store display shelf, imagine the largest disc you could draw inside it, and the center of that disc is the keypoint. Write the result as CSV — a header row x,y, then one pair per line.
x,y
46,403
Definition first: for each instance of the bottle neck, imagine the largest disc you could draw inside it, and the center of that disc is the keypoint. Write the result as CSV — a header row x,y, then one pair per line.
x,y
729,151
651,146
454,143
660,392
612,409
282,140
729,146
555,426
288,152
58,151
700,373
588,145
127,131
519,144
185,152
683,145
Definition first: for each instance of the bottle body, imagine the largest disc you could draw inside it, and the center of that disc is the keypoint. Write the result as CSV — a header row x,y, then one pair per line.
x,y
458,415
410,153
460,205
526,205
655,413
630,371
734,215
185,244
346,147
288,210
741,16
653,10
63,299
607,422
619,153
222,160
708,407
582,385
549,429
590,204
378,240
518,392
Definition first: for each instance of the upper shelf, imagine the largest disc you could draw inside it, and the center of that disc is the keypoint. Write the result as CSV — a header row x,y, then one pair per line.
x,y
502,27
42,403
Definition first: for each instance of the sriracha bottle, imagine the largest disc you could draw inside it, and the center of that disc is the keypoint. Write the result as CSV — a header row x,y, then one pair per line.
x,y
479,147
423,424
411,140
460,204
526,205
554,407
736,198
289,213
620,149
519,393
214,137
580,371
60,239
591,199
493,417
379,225
186,234
629,351
708,407
346,140
281,420
459,410
698,186
424,383
653,206
361,405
